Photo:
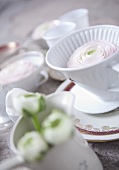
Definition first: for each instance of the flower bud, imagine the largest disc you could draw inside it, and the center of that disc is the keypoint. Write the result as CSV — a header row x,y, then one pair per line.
x,y
58,127
32,146
29,104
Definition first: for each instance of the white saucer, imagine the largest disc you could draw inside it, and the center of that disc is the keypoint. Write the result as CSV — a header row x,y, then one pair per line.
x,y
94,127
87,102
97,128
97,138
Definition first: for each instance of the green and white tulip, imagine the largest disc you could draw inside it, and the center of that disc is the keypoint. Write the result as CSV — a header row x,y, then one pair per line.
x,y
57,127
29,104
32,146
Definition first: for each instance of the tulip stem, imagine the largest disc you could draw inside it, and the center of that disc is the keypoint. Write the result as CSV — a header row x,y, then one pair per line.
x,y
36,123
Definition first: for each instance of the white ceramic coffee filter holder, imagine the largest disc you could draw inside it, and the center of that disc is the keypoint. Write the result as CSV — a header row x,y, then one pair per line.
x,y
101,79
72,154
78,16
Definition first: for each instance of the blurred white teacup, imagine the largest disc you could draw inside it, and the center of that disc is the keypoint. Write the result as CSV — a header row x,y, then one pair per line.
x,y
37,33
78,16
24,70
52,35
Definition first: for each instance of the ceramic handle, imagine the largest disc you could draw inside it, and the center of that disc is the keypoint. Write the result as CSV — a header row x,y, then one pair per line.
x,y
44,78
115,67
9,164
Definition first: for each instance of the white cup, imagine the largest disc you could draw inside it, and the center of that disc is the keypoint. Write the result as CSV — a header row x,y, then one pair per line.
x,y
37,34
51,36
78,16
33,80
54,34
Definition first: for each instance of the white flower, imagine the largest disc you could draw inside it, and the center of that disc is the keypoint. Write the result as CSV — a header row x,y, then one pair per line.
x,y
25,103
29,103
32,146
9,101
91,53
57,127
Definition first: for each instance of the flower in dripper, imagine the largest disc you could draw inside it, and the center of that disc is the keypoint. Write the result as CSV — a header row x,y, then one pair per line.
x,y
32,146
91,53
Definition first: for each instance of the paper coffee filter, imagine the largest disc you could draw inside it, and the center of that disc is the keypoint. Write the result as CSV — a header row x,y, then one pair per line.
x,y
60,53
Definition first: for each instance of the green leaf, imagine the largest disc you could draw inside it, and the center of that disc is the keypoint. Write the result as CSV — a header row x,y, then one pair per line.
x,y
29,95
42,103
26,113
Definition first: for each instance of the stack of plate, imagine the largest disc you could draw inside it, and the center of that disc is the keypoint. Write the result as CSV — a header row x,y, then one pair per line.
x,y
96,126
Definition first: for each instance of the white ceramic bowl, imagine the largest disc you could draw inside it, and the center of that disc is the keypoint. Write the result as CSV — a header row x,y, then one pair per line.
x,y
37,34
101,78
31,81
78,16
52,35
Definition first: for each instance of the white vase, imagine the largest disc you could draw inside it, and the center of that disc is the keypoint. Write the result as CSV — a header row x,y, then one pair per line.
x,y
74,154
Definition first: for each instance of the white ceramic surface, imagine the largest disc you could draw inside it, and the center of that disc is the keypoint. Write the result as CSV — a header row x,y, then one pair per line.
x,y
87,102
56,75
97,128
5,121
78,16
73,154
32,81
38,32
52,35
9,103
102,78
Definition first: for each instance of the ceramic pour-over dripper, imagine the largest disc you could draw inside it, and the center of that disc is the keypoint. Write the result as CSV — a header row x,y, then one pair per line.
x,y
75,153
101,79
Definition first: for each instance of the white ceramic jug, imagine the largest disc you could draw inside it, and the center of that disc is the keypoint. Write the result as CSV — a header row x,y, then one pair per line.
x,y
74,154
